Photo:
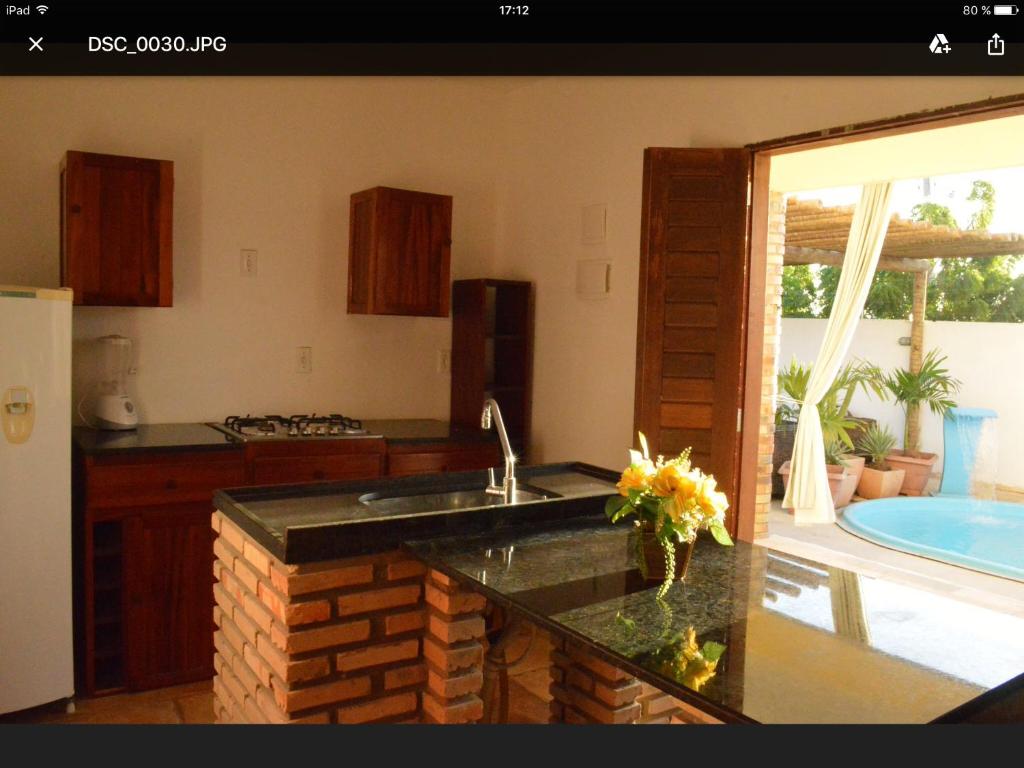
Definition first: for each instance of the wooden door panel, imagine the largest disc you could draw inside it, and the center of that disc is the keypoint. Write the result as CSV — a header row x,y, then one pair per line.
x,y
692,306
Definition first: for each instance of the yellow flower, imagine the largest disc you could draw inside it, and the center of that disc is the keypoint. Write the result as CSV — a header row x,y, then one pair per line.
x,y
671,482
712,501
635,477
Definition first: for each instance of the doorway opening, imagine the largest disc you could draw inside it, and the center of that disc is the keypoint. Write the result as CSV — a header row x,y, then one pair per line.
x,y
947,280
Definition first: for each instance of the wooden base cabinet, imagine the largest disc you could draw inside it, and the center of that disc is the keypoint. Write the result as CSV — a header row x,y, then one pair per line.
x,y
168,589
144,567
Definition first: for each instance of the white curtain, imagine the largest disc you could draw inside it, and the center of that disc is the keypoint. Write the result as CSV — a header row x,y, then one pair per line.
x,y
808,493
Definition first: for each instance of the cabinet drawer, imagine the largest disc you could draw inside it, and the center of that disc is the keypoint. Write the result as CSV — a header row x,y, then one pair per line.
x,y
162,480
431,462
271,470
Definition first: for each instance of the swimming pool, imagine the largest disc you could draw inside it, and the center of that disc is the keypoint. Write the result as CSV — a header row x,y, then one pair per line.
x,y
987,536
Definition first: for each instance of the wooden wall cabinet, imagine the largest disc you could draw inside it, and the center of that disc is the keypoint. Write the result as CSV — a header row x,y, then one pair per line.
x,y
399,253
492,354
116,221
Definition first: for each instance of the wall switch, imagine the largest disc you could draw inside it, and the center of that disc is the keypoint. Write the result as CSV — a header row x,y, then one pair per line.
x,y
444,361
247,266
595,223
305,361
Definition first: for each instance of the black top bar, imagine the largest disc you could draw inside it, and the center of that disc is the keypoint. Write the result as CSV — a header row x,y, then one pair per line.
x,y
567,37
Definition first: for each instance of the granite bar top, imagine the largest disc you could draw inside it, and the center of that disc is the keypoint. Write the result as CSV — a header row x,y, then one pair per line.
x,y
803,642
153,438
322,521
427,431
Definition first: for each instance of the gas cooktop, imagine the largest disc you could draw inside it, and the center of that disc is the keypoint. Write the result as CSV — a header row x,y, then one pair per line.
x,y
301,426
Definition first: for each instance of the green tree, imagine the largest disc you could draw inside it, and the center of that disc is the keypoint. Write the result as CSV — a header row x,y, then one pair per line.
x,y
798,291
966,288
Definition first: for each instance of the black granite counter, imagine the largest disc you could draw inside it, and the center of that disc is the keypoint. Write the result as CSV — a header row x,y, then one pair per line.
x,y
322,521
156,438
799,641
427,431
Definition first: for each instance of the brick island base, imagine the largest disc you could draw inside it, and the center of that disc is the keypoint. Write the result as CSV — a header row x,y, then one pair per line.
x,y
380,639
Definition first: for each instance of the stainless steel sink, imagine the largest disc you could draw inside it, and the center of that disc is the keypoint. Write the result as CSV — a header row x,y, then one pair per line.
x,y
448,501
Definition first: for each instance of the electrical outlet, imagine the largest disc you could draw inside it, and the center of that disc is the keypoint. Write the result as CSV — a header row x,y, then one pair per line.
x,y
305,360
444,361
247,266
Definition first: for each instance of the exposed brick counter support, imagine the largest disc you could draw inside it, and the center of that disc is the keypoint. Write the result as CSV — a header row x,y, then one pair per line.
x,y
331,642
454,652
380,638
586,689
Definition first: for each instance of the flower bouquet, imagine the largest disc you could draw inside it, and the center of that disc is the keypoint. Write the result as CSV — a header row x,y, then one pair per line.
x,y
672,501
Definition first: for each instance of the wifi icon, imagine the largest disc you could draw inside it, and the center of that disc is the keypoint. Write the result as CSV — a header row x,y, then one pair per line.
x,y
42,9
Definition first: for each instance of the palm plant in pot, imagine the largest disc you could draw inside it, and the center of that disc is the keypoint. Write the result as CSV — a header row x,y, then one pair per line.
x,y
932,386
879,479
844,468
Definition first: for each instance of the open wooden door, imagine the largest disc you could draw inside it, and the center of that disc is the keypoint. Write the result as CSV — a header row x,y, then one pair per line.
x,y
693,306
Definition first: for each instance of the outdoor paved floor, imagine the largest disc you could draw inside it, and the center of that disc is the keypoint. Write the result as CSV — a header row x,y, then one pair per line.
x,y
831,545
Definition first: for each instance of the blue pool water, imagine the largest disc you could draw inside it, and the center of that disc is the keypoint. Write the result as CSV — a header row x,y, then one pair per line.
x,y
984,535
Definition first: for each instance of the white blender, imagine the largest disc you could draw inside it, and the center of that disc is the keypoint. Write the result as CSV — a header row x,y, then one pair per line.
x,y
114,409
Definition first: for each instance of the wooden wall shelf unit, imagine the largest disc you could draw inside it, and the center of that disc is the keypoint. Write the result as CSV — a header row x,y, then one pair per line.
x,y
116,222
399,253
492,354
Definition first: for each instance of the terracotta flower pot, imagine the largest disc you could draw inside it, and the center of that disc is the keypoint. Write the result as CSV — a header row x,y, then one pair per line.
x,y
880,483
917,470
654,555
854,465
840,483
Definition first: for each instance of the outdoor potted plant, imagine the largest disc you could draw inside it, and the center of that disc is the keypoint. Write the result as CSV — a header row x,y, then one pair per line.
x,y
672,501
931,386
841,481
879,480
844,468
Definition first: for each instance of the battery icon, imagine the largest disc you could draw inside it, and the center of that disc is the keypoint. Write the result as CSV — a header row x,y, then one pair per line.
x,y
1005,10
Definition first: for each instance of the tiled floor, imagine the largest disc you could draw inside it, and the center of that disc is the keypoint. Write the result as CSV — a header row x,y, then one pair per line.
x,y
192,704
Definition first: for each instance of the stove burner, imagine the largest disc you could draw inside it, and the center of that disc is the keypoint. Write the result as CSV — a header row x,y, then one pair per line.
x,y
298,425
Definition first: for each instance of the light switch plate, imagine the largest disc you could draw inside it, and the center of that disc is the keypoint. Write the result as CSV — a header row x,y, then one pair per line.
x,y
595,223
593,278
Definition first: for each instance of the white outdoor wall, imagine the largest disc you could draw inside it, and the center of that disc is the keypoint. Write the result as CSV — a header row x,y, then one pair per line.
x,y
987,357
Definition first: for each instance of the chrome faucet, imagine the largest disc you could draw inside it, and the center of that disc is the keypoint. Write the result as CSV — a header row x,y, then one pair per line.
x,y
507,489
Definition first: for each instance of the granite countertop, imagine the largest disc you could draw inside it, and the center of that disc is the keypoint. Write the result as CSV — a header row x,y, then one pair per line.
x,y
427,431
322,521
155,438
804,642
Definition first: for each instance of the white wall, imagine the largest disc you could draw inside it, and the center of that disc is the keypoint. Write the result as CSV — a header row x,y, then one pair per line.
x,y
264,163
576,141
986,357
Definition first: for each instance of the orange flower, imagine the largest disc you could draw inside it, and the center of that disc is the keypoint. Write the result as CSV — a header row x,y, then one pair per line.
x,y
635,477
670,481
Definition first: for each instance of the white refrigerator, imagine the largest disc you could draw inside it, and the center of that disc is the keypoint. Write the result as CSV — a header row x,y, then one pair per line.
x,y
36,658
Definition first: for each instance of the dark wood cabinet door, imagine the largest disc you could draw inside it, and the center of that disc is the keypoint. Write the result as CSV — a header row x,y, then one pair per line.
x,y
169,581
399,252
116,218
692,306
428,460
274,470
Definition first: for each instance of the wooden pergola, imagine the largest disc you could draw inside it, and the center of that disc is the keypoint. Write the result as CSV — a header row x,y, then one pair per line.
x,y
816,234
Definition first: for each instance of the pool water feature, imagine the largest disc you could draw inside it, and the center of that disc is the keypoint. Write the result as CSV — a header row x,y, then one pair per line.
x,y
968,462
980,534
